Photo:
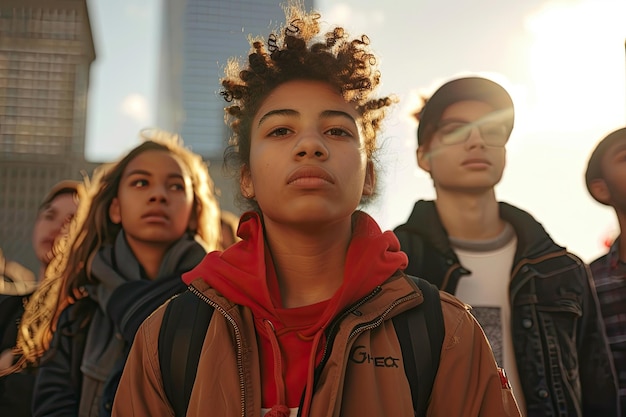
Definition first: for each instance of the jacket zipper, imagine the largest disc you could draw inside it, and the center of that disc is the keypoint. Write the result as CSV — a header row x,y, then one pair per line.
x,y
333,327
238,338
378,321
332,330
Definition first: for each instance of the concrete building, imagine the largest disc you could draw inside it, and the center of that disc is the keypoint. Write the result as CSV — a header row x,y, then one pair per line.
x,y
198,38
46,49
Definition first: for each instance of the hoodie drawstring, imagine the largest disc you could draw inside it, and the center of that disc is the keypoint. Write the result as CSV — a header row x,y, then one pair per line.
x,y
308,392
280,409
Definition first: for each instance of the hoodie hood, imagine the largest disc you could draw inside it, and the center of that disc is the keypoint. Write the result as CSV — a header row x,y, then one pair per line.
x,y
244,273
291,340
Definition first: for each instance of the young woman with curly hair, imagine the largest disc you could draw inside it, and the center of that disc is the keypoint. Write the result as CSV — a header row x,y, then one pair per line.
x,y
303,304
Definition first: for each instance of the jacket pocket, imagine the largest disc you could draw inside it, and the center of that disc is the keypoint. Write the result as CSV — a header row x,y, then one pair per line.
x,y
560,320
568,307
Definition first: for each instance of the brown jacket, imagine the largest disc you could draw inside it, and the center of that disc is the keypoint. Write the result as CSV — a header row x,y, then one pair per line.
x,y
228,379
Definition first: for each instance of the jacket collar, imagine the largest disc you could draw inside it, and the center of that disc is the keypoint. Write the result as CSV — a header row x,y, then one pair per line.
x,y
532,239
398,291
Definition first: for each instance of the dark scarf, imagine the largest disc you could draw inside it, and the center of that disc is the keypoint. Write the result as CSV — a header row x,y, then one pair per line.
x,y
125,298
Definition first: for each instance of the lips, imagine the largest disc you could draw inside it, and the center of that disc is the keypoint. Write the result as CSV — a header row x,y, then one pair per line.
x,y
155,215
310,174
472,161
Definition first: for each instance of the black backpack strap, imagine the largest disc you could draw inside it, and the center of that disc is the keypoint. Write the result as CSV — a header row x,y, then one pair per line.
x,y
421,332
185,322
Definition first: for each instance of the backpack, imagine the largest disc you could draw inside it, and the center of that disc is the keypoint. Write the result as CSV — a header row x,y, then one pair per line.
x,y
186,319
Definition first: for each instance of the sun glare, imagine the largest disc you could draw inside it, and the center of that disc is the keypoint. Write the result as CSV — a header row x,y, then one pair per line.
x,y
136,106
577,66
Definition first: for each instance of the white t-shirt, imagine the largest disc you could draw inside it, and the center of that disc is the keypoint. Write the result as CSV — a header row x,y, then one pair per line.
x,y
486,289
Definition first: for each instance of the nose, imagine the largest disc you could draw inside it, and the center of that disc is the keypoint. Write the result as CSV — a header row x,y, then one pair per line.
x,y
311,145
475,139
158,193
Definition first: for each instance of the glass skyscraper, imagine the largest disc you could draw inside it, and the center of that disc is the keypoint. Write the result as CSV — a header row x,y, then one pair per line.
x,y
46,50
198,38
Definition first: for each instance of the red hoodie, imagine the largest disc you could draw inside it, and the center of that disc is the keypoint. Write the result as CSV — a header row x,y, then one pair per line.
x,y
244,273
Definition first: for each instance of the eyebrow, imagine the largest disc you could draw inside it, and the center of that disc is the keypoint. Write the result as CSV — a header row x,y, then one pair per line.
x,y
278,112
289,112
149,174
337,113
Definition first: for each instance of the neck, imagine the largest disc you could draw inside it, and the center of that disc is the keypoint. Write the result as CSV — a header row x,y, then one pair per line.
x,y
470,216
309,262
149,257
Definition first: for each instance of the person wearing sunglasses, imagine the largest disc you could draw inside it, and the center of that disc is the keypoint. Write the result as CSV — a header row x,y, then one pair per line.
x,y
533,298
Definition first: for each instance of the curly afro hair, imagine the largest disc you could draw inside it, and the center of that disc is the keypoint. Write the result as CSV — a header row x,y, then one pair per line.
x,y
300,52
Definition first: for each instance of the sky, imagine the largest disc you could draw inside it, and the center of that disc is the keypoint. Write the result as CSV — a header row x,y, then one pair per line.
x,y
563,62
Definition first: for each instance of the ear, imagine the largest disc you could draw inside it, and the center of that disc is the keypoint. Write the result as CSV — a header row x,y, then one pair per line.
x,y
370,179
423,158
115,212
245,182
600,191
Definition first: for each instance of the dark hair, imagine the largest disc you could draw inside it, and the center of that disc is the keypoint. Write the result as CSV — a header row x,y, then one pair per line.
x,y
297,53
594,166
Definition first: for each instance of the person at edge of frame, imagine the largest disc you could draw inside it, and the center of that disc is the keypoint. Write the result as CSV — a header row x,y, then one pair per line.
x,y
54,215
605,178
534,299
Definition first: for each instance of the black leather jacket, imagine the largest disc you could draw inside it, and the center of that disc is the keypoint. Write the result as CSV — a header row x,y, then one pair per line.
x,y
560,346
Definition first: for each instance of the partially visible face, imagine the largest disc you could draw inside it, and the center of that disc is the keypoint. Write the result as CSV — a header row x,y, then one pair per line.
x,y
463,166
614,172
154,200
308,164
51,223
